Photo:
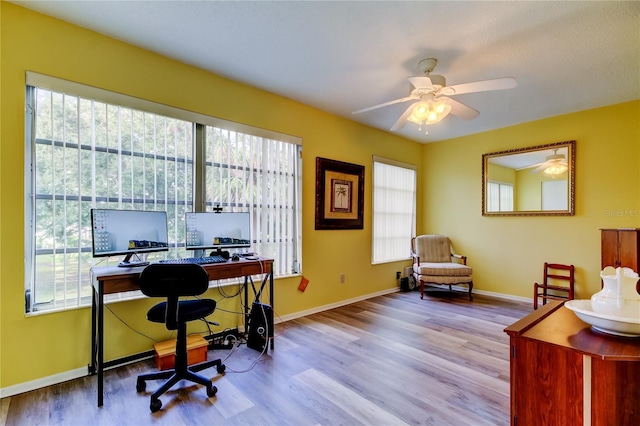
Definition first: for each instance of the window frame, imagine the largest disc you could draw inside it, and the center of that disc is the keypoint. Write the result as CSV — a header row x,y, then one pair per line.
x,y
402,239
198,121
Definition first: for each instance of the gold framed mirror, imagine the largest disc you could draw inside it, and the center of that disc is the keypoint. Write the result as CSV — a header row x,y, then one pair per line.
x,y
534,181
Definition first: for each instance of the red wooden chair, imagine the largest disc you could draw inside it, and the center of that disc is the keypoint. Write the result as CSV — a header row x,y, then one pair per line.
x,y
557,284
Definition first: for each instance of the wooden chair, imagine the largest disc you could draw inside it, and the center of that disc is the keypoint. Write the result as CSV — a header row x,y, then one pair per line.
x,y
557,284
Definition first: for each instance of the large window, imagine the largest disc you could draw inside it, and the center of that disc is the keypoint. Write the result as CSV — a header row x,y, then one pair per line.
x,y
259,175
394,209
84,152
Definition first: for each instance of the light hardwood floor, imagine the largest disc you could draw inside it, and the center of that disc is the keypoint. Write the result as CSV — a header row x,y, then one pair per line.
x,y
389,360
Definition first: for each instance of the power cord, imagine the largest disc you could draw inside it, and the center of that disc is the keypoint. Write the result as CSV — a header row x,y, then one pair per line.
x,y
131,328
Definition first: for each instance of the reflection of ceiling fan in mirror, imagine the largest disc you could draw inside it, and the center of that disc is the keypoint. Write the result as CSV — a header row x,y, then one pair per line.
x,y
432,103
554,164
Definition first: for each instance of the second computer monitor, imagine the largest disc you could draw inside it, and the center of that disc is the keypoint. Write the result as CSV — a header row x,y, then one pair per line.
x,y
209,230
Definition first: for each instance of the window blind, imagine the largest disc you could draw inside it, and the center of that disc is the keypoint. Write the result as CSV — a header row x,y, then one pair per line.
x,y
394,209
84,153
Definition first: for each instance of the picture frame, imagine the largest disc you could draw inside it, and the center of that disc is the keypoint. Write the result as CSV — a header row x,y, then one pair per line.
x,y
339,195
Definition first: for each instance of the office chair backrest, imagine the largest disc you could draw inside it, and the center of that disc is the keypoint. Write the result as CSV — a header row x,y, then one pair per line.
x,y
173,280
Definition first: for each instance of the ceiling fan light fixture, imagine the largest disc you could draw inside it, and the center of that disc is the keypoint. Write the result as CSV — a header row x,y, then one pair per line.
x,y
556,169
428,112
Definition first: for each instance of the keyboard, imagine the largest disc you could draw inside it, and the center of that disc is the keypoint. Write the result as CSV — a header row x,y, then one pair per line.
x,y
198,260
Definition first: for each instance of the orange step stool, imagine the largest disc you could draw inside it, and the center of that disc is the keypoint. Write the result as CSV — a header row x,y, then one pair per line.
x,y
165,355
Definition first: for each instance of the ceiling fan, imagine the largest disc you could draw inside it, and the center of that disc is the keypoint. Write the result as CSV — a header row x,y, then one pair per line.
x,y
432,103
554,164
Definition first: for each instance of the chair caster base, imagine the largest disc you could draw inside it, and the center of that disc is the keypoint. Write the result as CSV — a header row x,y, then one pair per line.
x,y
211,391
155,405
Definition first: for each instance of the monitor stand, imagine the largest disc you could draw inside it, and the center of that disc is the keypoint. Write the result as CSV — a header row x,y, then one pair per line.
x,y
219,252
128,263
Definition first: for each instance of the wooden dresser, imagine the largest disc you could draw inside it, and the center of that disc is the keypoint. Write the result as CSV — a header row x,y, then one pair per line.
x,y
620,247
564,373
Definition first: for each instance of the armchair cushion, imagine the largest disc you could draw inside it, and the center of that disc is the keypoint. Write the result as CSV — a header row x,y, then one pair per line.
x,y
442,268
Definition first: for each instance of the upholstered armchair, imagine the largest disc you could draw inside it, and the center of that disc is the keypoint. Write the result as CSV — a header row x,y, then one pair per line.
x,y
434,262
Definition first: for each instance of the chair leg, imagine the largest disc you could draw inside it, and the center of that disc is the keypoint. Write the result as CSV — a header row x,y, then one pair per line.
x,y
421,289
470,290
162,375
175,378
207,364
535,296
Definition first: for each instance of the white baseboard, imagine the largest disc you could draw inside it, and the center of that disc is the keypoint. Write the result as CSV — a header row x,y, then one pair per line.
x,y
505,296
81,372
43,382
338,304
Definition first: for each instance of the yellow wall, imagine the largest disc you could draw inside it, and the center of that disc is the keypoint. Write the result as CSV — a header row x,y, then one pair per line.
x,y
501,174
41,346
529,194
507,253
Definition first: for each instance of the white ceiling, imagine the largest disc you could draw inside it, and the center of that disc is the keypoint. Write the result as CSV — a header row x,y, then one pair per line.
x,y
343,56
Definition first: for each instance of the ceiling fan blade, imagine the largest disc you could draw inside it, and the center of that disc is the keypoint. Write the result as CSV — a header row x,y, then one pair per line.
x,y
549,163
540,167
480,86
543,165
403,118
421,82
396,101
459,109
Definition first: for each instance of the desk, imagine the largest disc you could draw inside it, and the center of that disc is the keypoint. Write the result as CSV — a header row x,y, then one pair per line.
x,y
114,279
563,372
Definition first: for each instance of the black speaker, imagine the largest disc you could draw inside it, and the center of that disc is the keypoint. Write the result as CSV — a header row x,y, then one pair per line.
x,y
404,284
260,326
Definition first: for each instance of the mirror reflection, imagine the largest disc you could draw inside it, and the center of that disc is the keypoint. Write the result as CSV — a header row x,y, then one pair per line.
x,y
536,181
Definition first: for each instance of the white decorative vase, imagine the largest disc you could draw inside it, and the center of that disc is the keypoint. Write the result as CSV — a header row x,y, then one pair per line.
x,y
618,296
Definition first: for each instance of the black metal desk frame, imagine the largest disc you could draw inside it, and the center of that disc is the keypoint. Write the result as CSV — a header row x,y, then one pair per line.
x,y
113,279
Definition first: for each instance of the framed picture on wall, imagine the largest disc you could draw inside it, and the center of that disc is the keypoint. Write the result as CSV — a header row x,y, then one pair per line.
x,y
339,195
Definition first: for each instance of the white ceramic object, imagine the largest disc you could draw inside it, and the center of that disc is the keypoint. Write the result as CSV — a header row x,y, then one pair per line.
x,y
620,326
618,296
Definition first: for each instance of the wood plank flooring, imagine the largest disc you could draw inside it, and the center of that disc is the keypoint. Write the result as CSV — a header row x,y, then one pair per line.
x,y
390,360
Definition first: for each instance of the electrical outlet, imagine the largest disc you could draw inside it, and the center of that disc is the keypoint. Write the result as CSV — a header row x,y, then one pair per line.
x,y
342,278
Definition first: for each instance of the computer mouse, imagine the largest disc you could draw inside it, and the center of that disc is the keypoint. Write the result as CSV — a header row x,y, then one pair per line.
x,y
235,257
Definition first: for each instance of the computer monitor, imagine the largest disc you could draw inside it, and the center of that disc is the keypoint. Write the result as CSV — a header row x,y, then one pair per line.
x,y
128,233
217,231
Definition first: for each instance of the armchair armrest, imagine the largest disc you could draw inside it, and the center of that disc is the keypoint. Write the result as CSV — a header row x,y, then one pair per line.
x,y
461,257
415,258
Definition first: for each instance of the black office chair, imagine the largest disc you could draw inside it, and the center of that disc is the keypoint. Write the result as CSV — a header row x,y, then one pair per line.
x,y
173,281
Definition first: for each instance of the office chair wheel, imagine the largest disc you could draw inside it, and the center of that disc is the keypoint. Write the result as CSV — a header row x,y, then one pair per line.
x,y
221,368
155,405
211,390
141,385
